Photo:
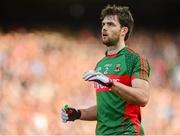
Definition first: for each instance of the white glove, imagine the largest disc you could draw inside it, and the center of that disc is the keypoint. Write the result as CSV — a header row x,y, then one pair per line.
x,y
89,74
98,77
64,116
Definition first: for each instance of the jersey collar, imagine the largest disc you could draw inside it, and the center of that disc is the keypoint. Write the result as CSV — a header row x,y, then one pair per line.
x,y
115,54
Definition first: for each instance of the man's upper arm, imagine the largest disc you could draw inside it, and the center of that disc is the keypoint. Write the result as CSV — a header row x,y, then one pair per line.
x,y
141,69
140,75
143,90
140,83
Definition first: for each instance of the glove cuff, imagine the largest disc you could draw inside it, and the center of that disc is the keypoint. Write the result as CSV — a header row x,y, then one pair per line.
x,y
78,114
111,83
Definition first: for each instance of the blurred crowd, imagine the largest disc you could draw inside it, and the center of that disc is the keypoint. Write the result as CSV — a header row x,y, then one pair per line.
x,y
40,72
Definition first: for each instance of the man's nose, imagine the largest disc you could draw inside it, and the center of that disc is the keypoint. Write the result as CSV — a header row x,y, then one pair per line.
x,y
104,28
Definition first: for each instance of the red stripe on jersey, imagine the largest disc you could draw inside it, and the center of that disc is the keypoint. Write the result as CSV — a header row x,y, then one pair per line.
x,y
143,72
133,113
132,51
141,67
112,55
126,79
146,70
102,89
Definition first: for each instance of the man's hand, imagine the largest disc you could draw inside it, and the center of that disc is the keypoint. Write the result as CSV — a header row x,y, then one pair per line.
x,y
70,114
98,77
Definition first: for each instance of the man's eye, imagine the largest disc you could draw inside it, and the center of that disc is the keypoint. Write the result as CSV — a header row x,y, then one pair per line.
x,y
110,24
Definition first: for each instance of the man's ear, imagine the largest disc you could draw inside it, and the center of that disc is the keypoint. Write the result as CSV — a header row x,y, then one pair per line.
x,y
124,30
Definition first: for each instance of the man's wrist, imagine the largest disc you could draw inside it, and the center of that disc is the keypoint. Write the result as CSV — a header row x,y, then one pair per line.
x,y
78,114
111,83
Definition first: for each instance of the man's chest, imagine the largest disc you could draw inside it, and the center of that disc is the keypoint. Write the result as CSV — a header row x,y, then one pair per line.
x,y
115,66
115,69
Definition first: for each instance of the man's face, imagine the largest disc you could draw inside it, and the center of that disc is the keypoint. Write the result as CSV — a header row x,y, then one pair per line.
x,y
110,30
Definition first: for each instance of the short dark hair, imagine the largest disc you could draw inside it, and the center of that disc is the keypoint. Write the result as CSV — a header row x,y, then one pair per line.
x,y
124,15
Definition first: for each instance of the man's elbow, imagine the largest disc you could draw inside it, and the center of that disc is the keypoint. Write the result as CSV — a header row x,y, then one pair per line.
x,y
144,102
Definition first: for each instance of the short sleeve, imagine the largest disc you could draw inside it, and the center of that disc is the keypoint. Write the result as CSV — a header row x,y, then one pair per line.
x,y
141,69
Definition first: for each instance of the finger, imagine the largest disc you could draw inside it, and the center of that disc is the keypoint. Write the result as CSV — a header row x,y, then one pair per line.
x,y
63,111
92,74
99,74
87,74
93,78
64,118
64,114
89,77
64,121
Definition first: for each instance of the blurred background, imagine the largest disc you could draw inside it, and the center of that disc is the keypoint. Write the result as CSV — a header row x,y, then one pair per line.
x,y
46,45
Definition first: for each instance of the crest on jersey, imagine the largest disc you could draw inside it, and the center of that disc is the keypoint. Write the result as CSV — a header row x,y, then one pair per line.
x,y
117,67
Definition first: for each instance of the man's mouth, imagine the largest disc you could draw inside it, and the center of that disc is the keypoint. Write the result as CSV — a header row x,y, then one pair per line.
x,y
105,35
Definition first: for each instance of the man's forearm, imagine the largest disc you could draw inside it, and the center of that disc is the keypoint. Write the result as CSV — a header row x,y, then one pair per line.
x,y
132,94
89,114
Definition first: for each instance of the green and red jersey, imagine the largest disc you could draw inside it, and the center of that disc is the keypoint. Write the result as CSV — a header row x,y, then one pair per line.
x,y
116,116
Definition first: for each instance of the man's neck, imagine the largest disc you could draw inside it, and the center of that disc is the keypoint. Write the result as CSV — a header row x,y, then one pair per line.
x,y
115,49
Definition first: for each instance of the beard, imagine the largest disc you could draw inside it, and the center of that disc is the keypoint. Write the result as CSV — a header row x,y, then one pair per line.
x,y
111,41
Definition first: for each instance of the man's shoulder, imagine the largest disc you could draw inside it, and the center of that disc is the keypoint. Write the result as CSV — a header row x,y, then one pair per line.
x,y
132,52
133,55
